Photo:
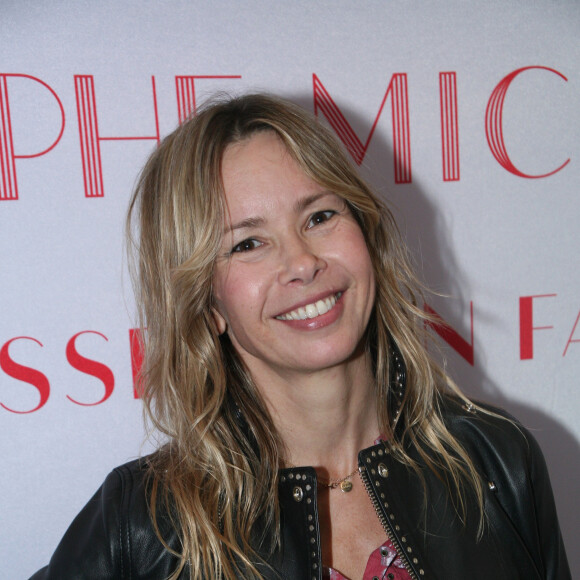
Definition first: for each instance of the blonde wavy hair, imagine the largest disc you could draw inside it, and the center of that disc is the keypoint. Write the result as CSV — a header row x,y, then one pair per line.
x,y
217,477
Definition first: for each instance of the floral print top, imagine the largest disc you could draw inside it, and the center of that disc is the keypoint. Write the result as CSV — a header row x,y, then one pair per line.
x,y
383,564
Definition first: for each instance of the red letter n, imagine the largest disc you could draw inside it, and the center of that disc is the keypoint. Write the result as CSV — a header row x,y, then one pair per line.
x,y
89,133
400,118
450,336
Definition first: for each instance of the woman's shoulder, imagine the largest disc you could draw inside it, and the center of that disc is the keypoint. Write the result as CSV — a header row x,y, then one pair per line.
x,y
499,445
487,427
514,470
128,481
113,535
482,420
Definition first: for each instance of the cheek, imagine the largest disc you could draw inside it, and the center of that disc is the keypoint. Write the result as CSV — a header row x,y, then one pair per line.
x,y
221,293
355,251
238,295
361,266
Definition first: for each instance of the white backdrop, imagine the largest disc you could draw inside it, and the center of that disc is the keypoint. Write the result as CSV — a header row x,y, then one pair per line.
x,y
485,230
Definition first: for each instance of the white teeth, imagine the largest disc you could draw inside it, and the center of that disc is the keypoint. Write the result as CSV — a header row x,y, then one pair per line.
x,y
311,310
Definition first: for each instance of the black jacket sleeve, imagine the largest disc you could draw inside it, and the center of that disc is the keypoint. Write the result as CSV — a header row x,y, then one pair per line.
x,y
92,545
512,463
112,537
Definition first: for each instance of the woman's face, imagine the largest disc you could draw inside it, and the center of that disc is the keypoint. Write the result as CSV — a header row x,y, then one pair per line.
x,y
293,283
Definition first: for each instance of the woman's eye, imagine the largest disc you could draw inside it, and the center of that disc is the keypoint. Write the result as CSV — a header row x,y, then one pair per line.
x,y
246,246
320,217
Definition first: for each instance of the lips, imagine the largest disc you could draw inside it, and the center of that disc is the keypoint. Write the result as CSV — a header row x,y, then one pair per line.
x,y
312,310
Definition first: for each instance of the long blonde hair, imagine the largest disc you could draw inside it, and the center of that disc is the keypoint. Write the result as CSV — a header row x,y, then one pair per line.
x,y
218,474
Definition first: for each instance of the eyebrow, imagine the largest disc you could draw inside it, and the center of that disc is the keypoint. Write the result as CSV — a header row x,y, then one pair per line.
x,y
303,203
253,222
299,206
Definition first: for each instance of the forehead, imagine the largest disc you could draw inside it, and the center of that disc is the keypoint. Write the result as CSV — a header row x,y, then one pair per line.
x,y
259,173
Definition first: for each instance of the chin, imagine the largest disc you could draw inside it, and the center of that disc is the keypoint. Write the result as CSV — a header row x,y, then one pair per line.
x,y
328,357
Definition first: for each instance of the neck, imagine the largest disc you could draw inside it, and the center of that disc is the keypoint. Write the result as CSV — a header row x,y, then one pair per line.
x,y
324,418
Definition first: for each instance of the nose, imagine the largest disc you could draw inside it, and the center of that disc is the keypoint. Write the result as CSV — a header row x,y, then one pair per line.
x,y
299,262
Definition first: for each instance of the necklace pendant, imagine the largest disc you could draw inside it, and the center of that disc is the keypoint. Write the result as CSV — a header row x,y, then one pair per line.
x,y
346,486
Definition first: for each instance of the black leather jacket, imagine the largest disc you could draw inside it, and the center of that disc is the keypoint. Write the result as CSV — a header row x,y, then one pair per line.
x,y
112,537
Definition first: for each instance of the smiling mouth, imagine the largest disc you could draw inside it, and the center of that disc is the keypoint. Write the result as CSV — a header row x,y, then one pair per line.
x,y
312,310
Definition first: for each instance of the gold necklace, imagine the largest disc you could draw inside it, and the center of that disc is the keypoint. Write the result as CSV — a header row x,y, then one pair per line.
x,y
344,482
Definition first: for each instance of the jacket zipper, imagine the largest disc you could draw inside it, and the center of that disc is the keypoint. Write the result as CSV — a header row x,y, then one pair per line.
x,y
386,526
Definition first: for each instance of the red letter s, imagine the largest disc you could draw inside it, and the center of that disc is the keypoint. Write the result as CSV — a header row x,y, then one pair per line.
x,y
90,367
25,374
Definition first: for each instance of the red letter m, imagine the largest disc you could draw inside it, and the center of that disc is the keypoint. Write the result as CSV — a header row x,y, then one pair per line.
x,y
400,117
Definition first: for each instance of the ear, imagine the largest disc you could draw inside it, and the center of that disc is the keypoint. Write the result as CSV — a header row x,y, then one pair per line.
x,y
219,320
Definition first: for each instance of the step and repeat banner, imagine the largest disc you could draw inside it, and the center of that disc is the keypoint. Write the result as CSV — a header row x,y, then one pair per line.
x,y
465,117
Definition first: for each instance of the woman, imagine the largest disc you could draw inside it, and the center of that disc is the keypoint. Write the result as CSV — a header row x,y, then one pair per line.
x,y
283,330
